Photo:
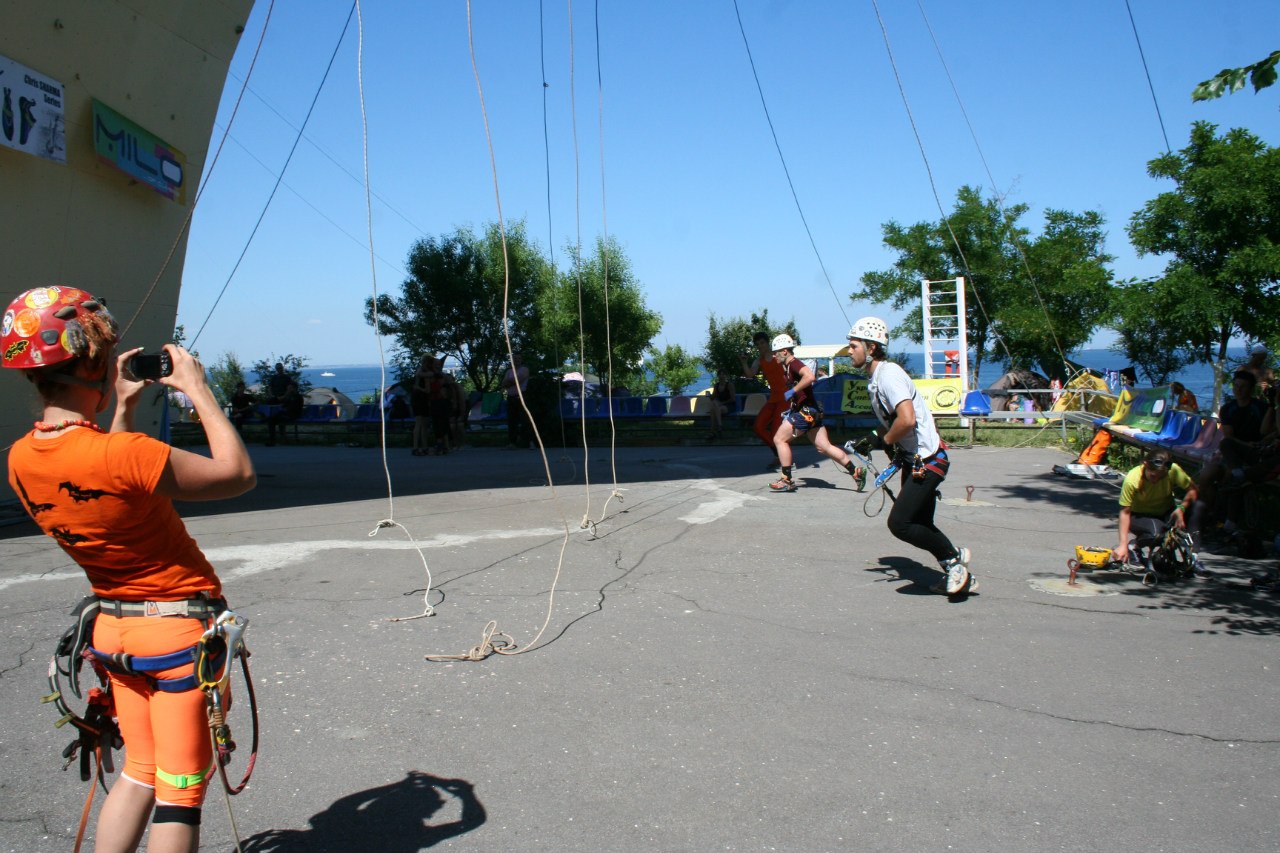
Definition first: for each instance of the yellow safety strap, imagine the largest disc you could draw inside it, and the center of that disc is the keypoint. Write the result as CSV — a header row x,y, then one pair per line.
x,y
186,780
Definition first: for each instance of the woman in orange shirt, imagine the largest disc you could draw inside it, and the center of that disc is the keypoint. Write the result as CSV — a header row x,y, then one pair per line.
x,y
106,497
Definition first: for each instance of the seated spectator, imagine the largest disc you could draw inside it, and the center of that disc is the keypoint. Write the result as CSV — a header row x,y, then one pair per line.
x,y
724,399
1183,400
1257,365
1240,419
1147,501
277,384
242,406
290,410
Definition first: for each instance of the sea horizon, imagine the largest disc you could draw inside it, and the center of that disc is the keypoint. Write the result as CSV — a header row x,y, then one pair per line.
x,y
360,380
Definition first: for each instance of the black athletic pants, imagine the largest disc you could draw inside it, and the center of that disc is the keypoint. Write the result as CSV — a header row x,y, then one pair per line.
x,y
911,518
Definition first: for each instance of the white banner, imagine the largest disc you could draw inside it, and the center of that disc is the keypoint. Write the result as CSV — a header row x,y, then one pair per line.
x,y
31,112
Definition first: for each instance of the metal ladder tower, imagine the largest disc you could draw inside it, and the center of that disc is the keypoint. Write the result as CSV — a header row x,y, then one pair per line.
x,y
946,338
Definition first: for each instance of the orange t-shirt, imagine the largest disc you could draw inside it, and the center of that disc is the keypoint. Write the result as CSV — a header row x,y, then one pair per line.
x,y
95,494
776,376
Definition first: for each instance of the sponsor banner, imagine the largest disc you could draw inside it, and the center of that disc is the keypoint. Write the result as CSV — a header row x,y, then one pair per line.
x,y
31,117
139,153
856,399
941,395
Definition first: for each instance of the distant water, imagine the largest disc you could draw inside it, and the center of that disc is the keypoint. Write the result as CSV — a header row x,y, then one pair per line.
x,y
360,380
355,380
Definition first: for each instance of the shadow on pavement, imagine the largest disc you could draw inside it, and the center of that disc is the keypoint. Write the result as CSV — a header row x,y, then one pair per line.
x,y
396,815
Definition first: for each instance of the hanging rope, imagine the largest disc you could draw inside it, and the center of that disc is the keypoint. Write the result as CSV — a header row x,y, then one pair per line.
x,y
964,261
785,170
608,325
1017,244
1147,71
492,640
276,186
204,183
389,521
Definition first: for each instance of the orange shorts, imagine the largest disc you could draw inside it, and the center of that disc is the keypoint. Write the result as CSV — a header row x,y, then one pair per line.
x,y
169,731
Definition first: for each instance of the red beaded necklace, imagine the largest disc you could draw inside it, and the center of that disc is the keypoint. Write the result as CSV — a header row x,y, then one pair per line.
x,y
45,426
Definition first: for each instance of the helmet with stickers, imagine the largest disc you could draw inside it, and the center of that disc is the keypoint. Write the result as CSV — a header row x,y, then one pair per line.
x,y
870,329
45,326
782,342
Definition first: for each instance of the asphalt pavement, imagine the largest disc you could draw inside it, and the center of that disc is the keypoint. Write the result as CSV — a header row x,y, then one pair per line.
x,y
702,665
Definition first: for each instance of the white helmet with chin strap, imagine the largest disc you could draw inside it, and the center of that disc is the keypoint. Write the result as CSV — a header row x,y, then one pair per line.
x,y
870,329
782,342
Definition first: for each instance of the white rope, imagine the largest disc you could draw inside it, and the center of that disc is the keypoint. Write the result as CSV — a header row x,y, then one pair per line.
x,y
389,521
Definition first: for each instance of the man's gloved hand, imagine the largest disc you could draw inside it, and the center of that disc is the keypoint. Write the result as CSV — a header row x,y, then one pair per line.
x,y
791,392
901,457
868,443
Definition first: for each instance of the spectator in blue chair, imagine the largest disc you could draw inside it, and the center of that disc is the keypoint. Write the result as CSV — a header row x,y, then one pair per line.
x,y
242,406
1240,419
1183,400
724,399
290,410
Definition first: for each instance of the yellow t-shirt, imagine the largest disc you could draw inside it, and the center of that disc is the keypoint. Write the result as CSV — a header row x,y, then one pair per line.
x,y
1144,497
95,494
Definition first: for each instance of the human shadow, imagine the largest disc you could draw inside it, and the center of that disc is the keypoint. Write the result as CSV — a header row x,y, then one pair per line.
x,y
1096,498
919,578
392,819
1236,607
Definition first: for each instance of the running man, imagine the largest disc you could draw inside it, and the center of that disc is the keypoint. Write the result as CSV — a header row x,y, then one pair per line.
x,y
770,415
804,416
912,441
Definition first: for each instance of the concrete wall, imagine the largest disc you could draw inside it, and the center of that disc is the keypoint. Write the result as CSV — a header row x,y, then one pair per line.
x,y
162,64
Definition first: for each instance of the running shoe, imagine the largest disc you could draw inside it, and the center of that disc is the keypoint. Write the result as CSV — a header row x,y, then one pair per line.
x,y
859,478
957,580
783,484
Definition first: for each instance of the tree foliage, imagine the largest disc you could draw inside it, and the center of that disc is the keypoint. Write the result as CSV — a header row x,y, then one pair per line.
x,y
1158,349
452,303
594,315
264,368
674,368
224,374
730,338
1220,228
1012,317
1261,74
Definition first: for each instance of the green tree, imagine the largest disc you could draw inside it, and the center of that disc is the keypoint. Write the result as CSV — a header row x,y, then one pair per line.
x,y
578,325
461,293
674,368
729,338
224,374
264,368
1158,349
1008,320
1220,227
1261,74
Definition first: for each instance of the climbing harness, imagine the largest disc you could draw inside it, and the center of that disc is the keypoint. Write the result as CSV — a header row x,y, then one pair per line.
x,y
98,732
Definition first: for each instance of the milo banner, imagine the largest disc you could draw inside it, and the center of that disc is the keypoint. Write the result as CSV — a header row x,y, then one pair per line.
x,y
139,153
31,112
941,395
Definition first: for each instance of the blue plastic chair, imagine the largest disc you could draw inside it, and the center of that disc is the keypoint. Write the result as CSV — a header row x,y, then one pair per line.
x,y
656,406
976,405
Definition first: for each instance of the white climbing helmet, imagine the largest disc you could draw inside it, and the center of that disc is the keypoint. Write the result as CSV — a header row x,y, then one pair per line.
x,y
783,342
870,329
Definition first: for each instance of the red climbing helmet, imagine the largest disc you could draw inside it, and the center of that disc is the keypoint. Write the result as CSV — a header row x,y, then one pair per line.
x,y
43,326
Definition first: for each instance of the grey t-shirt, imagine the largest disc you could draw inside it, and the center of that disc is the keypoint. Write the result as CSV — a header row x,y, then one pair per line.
x,y
889,386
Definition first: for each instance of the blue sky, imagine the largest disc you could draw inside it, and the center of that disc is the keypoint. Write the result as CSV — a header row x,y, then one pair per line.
x,y
693,187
